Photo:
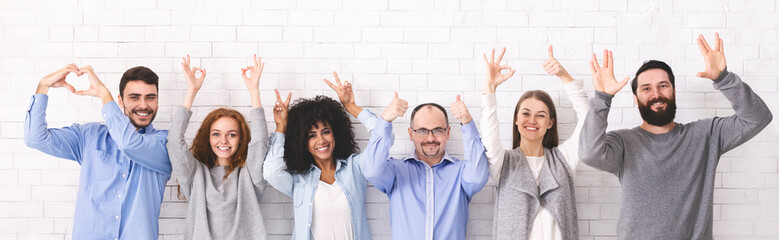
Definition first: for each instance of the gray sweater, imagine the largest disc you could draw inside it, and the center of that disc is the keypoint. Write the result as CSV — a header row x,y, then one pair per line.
x,y
668,179
216,210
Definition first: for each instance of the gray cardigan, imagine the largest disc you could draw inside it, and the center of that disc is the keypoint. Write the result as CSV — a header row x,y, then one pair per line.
x,y
217,210
519,197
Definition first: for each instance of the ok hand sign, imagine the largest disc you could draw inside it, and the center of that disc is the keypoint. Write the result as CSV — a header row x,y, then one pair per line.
x,y
494,75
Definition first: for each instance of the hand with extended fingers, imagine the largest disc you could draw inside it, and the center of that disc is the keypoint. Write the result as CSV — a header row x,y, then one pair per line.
x,y
603,76
714,58
460,111
494,75
253,81
396,108
96,87
193,83
280,112
345,94
57,79
553,67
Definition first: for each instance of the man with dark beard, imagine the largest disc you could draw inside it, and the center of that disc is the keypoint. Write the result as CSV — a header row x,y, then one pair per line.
x,y
124,162
667,169
428,189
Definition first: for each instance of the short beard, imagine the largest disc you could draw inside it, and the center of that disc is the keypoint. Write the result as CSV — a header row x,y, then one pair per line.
x,y
660,118
129,113
434,154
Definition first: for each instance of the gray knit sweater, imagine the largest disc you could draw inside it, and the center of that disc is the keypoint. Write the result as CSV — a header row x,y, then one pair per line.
x,y
217,210
668,179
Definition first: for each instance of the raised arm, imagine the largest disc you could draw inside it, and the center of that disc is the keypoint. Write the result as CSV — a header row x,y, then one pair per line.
x,y
476,170
345,94
273,168
751,113
575,91
258,147
148,149
182,162
490,127
597,148
59,142
377,166
181,159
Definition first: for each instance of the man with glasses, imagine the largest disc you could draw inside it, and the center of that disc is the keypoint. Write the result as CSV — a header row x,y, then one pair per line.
x,y
429,190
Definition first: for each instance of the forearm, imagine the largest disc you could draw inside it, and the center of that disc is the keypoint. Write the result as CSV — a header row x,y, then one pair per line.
x,y
490,129
476,172
181,160
273,166
353,109
258,147
147,149
594,149
748,106
255,98
377,167
189,98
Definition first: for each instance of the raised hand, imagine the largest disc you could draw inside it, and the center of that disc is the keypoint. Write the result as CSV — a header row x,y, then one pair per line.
x,y
193,83
714,58
553,67
57,79
603,76
460,111
396,108
253,82
281,111
345,94
494,75
96,87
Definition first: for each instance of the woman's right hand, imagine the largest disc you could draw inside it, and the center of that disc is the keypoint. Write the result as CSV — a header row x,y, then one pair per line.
x,y
193,83
280,112
494,75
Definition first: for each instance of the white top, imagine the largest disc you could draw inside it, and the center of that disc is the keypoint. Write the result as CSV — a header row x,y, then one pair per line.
x,y
331,218
544,225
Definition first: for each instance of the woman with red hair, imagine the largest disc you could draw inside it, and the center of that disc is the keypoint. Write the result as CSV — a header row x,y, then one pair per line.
x,y
221,174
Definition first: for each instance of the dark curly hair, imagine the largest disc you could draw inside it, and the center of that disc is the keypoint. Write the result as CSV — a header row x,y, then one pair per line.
x,y
306,113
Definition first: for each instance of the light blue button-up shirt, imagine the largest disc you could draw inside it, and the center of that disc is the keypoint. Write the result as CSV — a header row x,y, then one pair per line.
x,y
301,187
123,171
427,202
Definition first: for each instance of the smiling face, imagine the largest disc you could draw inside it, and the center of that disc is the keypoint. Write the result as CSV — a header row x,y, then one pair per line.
x,y
655,97
321,142
533,120
429,146
224,138
139,103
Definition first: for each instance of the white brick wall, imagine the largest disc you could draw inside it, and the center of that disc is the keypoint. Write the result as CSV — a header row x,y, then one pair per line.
x,y
428,50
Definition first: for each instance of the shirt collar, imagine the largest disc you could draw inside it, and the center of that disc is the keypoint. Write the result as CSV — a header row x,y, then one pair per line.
x,y
146,129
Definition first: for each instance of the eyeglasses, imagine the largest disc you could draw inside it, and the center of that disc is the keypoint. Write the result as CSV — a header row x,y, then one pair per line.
x,y
422,132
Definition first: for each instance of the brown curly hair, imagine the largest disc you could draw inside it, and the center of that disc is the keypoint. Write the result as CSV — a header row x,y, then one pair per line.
x,y
201,147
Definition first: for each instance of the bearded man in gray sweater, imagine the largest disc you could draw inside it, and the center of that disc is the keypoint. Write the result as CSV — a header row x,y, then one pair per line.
x,y
667,168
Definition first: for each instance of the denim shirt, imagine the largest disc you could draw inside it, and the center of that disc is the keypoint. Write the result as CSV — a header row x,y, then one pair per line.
x,y
123,171
301,187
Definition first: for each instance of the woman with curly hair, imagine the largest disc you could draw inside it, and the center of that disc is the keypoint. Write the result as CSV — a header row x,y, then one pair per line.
x,y
312,158
221,174
535,191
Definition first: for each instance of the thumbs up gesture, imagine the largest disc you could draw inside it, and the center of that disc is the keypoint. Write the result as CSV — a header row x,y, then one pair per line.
x,y
460,111
396,108
553,67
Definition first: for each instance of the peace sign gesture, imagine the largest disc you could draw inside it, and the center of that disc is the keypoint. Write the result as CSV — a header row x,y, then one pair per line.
x,y
603,76
281,111
714,58
494,75
345,94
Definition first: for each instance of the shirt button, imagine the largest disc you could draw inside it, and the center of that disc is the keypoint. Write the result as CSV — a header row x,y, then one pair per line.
x,y
120,195
124,175
117,217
